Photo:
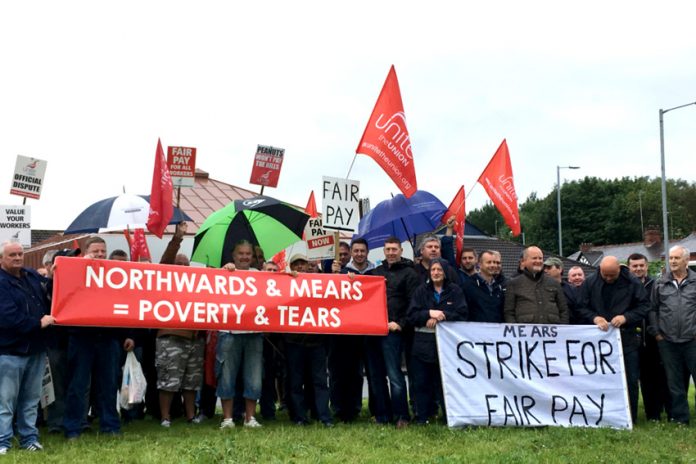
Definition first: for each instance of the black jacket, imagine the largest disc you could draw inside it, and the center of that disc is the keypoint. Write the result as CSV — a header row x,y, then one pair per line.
x,y
401,281
627,298
485,303
451,302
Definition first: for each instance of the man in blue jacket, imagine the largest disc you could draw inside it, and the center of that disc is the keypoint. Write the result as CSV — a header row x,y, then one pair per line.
x,y
485,296
23,313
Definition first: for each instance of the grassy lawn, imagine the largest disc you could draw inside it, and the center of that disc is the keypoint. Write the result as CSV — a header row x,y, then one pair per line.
x,y
280,441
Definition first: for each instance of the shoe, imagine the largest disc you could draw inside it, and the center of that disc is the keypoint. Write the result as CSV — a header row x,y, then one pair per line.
x,y
401,424
328,424
227,424
3,451
166,423
197,419
252,423
36,446
301,423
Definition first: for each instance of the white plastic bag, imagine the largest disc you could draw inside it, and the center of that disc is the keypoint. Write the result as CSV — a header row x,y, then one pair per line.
x,y
133,385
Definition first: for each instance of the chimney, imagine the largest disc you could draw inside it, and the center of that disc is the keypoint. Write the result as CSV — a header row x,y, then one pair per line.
x,y
200,174
652,236
585,247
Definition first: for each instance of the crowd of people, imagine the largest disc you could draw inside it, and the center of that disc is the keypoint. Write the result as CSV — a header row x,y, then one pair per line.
x,y
320,377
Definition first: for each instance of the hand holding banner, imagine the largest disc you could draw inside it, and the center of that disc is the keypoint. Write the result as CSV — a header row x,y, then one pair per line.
x,y
104,293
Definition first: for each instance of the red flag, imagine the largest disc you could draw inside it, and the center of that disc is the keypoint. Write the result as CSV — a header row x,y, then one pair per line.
x,y
281,260
499,183
161,195
457,209
75,245
386,138
311,207
139,249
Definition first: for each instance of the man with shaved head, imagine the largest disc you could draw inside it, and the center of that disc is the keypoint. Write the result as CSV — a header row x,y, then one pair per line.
x,y
614,297
522,298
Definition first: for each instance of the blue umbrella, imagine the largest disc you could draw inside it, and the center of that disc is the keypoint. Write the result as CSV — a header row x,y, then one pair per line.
x,y
118,213
401,217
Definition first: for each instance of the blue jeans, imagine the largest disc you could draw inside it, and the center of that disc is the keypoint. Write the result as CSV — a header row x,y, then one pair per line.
x,y
20,392
232,351
102,356
384,362
679,360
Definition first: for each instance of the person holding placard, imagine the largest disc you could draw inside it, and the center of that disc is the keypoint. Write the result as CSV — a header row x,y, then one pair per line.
x,y
436,301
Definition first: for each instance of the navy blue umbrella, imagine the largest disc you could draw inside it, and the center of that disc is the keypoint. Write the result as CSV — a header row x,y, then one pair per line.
x,y
118,213
401,217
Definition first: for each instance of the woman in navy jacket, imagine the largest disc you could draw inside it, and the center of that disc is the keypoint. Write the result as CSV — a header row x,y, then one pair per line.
x,y
435,301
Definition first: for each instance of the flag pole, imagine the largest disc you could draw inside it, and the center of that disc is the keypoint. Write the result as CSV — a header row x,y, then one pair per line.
x,y
351,165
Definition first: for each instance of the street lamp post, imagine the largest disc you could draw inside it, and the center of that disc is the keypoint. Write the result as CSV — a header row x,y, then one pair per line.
x,y
558,204
665,229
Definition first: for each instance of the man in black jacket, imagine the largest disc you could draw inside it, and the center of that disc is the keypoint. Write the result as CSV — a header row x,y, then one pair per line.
x,y
613,296
384,353
653,381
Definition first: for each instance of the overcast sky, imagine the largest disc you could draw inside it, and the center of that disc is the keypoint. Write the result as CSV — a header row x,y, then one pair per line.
x,y
90,86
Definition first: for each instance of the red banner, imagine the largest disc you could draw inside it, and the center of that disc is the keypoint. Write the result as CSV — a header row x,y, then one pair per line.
x,y
267,164
499,183
105,293
386,138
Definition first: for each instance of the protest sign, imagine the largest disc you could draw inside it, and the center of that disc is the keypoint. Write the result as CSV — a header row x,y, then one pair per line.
x,y
320,244
107,293
532,375
48,394
340,204
28,177
182,165
15,224
267,164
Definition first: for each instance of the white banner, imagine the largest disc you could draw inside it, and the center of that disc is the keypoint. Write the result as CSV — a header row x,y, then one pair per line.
x,y
15,224
532,375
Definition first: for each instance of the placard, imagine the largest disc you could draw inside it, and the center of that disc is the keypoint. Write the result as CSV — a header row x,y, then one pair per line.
x,y
15,224
28,177
182,166
340,204
267,163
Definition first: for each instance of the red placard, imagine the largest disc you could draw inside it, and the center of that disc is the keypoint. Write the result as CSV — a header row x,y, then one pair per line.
x,y
182,165
105,293
267,164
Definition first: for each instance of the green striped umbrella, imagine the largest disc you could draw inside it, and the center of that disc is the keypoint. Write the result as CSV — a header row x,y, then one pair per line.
x,y
264,221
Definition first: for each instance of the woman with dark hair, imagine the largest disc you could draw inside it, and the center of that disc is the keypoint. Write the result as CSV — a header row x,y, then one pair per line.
x,y
436,301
